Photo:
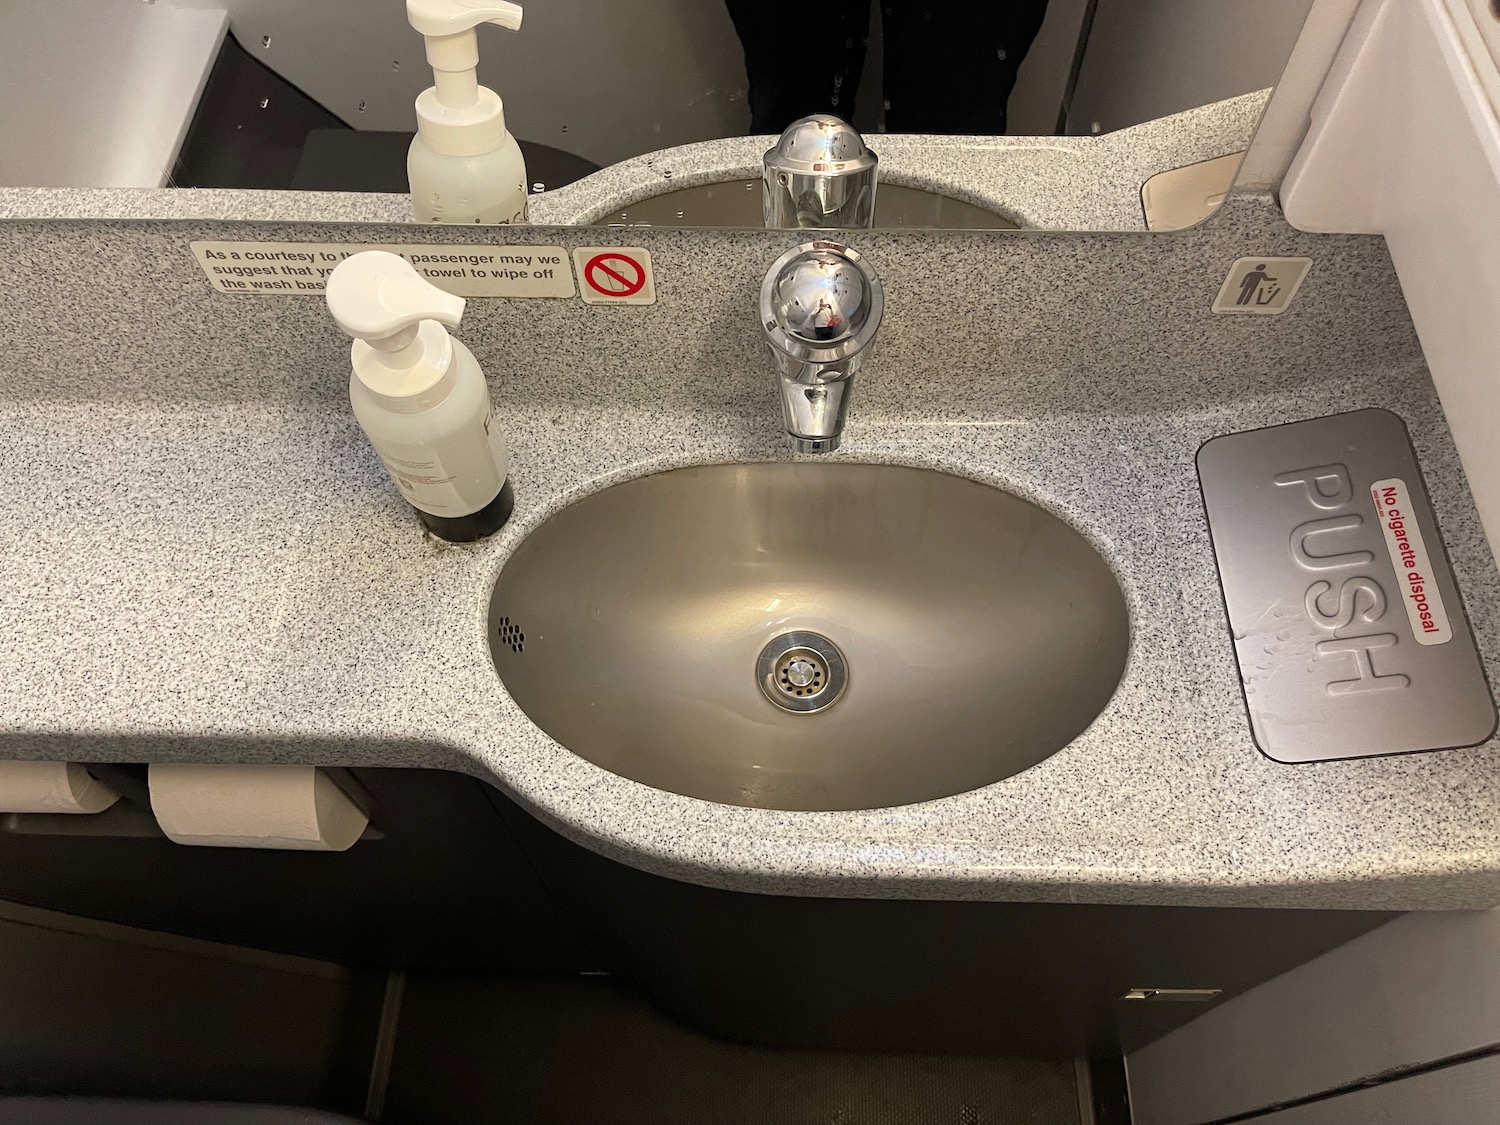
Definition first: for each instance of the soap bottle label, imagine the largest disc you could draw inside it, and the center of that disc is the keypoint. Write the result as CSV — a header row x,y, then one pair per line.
x,y
456,479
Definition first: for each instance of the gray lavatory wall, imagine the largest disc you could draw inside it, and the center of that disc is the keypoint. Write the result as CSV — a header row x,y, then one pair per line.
x,y
1418,991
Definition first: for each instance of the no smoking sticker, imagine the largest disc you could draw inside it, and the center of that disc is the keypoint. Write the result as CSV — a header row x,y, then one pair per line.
x,y
615,275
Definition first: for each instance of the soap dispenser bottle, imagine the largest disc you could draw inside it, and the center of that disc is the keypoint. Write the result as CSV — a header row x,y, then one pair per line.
x,y
463,166
420,396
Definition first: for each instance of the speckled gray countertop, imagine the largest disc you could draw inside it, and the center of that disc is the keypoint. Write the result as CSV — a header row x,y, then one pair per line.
x,y
204,561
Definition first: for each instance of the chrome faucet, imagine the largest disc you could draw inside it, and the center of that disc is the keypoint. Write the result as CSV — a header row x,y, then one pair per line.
x,y
820,307
819,174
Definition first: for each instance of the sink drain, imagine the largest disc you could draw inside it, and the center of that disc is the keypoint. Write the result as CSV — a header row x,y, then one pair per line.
x,y
801,672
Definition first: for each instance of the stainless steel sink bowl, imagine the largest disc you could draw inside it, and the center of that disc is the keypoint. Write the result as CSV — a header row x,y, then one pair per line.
x,y
809,636
737,203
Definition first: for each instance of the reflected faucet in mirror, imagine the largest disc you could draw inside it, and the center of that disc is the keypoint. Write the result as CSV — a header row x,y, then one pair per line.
x,y
820,174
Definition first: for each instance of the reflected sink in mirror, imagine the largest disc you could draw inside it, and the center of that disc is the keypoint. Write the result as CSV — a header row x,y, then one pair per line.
x,y
809,636
737,203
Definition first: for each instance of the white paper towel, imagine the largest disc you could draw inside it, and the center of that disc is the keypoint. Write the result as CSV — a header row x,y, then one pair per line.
x,y
51,787
296,808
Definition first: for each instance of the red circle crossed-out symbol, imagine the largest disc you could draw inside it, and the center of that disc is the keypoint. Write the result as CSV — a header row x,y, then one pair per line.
x,y
615,275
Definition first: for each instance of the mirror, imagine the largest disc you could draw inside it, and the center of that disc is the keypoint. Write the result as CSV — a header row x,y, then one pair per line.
x,y
1050,114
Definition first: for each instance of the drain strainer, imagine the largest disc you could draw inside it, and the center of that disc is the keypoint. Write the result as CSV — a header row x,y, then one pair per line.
x,y
801,672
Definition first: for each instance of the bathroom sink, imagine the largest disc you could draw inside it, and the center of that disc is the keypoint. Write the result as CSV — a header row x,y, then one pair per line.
x,y
737,203
809,636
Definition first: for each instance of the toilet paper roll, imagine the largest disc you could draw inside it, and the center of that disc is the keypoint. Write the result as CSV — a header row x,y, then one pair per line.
x,y
295,808
52,787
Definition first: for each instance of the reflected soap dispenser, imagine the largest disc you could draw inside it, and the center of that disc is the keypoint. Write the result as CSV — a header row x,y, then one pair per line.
x,y
420,396
463,166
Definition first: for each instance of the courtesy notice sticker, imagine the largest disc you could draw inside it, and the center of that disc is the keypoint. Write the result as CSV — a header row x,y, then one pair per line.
x,y
283,269
1403,538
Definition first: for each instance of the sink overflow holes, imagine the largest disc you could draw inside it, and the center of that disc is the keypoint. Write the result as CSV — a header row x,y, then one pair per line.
x,y
510,634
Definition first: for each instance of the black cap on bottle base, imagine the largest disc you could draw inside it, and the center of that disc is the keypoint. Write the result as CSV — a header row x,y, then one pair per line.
x,y
466,529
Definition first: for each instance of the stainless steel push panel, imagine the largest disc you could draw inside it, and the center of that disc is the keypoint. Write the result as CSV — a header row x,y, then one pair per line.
x,y
1348,628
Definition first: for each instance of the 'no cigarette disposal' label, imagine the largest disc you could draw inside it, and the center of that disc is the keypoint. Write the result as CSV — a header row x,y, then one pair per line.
x,y
1403,538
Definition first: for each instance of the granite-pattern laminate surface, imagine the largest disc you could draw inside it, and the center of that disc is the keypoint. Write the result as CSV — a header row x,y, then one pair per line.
x,y
207,562
1047,183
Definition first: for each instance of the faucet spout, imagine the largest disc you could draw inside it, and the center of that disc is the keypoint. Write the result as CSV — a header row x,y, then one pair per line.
x,y
815,403
821,306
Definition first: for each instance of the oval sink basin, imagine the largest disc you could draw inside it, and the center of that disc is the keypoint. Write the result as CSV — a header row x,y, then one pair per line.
x,y
809,636
737,203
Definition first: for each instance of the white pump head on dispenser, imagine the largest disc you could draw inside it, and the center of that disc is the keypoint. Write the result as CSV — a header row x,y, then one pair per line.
x,y
457,116
396,317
